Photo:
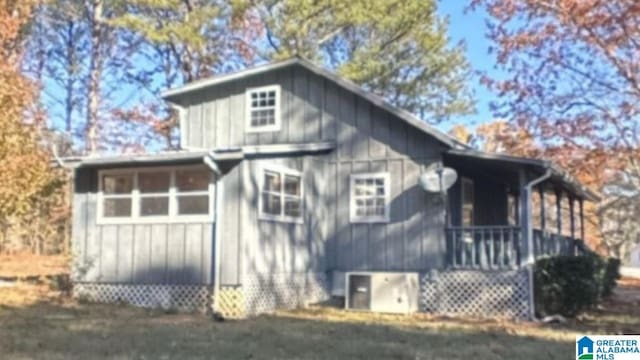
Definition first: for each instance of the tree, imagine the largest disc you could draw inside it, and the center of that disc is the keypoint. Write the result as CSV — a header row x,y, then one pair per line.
x,y
397,49
56,54
24,164
573,77
177,41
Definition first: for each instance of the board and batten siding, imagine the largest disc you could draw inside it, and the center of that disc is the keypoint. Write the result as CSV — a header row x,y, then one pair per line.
x,y
162,253
312,109
273,247
369,139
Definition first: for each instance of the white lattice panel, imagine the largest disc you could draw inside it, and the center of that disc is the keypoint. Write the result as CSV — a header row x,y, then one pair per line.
x,y
283,291
501,294
178,297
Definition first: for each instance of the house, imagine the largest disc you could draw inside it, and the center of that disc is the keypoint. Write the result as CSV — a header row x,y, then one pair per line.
x,y
292,177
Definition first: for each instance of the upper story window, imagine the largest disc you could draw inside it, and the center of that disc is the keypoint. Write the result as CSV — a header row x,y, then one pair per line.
x,y
179,194
281,195
263,108
370,197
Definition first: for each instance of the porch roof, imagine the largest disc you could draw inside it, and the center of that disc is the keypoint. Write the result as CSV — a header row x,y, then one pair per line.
x,y
510,163
196,155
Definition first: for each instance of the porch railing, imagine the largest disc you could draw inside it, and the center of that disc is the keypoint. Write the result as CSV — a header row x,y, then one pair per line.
x,y
484,247
546,243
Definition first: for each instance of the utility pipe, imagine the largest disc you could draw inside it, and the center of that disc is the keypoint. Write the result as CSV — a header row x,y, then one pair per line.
x,y
530,254
209,160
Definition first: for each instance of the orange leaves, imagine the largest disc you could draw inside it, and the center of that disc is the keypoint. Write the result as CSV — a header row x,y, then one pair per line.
x,y
23,164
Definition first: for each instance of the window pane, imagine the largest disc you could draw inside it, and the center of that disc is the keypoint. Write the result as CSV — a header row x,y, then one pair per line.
x,y
116,208
193,180
467,217
271,181
292,185
153,182
150,206
271,204
292,207
117,184
193,205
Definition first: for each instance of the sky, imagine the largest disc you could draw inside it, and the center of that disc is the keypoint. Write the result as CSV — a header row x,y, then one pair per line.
x,y
470,27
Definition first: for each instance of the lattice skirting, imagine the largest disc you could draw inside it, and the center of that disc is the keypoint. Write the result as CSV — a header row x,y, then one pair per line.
x,y
178,297
231,302
263,294
501,294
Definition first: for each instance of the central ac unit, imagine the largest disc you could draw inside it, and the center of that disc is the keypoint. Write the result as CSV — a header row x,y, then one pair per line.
x,y
390,292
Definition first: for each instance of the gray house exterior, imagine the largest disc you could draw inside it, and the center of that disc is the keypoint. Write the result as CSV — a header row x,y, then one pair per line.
x,y
289,178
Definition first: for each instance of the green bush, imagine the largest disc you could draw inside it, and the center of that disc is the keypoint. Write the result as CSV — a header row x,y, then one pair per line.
x,y
609,276
568,285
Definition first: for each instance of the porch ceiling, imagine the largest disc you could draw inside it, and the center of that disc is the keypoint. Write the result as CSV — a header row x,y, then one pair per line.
x,y
506,168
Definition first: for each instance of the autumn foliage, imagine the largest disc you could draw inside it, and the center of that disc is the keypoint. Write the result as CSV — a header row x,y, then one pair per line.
x,y
27,180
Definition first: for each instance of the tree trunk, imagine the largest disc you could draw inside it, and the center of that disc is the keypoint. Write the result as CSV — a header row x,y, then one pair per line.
x,y
94,9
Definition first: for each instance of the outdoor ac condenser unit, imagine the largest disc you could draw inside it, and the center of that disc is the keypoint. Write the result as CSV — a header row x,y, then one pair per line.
x,y
389,292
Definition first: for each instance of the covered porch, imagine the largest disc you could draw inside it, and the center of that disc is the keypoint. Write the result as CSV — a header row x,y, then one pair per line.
x,y
504,212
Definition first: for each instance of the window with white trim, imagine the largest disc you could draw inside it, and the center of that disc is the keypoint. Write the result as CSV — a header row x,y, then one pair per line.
x,y
263,108
370,197
179,194
281,195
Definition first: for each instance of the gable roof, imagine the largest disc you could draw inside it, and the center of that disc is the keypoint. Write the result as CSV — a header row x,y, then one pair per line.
x,y
406,116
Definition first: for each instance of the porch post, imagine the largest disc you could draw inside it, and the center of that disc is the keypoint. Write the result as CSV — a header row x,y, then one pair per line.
x,y
525,210
543,220
581,203
559,210
572,221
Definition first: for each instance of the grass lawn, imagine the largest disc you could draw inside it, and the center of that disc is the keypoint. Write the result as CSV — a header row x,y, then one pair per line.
x,y
38,324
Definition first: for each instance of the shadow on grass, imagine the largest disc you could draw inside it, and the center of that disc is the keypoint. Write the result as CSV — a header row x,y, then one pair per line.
x,y
99,331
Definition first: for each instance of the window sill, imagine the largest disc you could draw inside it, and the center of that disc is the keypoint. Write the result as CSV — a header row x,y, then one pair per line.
x,y
155,220
282,219
263,129
377,220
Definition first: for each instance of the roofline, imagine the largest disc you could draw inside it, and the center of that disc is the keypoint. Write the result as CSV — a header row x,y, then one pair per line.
x,y
221,154
556,170
344,83
224,78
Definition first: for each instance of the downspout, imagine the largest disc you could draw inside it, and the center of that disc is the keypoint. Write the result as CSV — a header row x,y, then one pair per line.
x,y
209,159
531,258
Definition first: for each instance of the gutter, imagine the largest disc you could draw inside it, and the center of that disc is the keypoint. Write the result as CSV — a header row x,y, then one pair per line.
x,y
530,255
210,161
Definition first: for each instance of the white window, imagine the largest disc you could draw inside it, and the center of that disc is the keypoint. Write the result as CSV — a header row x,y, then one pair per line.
x,y
467,202
281,195
370,197
181,194
263,109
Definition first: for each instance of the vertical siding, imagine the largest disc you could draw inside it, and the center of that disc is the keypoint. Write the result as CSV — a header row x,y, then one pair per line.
x,y
411,240
231,226
272,247
137,253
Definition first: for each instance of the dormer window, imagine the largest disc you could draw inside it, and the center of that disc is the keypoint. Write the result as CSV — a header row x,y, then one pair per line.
x,y
263,109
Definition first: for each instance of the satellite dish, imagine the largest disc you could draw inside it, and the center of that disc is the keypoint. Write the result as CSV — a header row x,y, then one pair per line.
x,y
438,180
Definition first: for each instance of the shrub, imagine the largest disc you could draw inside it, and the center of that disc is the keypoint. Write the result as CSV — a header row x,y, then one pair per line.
x,y
609,275
568,285
564,285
